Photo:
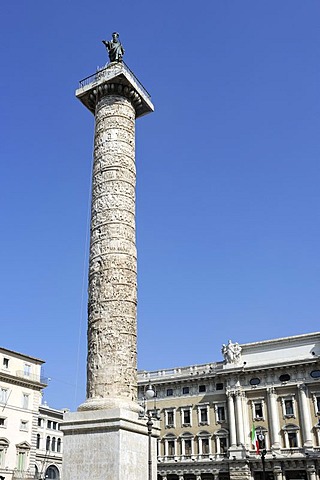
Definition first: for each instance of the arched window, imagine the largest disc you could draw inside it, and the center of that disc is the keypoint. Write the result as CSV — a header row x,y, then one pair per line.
x,y
170,442
53,444
48,441
186,444
59,445
38,440
222,441
52,473
204,443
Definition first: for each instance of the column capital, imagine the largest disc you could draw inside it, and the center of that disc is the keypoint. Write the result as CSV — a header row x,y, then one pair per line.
x,y
115,79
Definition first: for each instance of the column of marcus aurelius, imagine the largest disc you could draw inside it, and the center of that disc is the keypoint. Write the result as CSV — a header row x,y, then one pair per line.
x,y
107,424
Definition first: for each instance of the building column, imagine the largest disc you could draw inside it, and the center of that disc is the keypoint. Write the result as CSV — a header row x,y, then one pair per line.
x,y
305,413
274,419
312,473
231,417
277,472
239,421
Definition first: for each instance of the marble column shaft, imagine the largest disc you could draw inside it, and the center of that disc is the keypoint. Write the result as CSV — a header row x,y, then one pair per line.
x,y
232,422
305,413
274,419
111,366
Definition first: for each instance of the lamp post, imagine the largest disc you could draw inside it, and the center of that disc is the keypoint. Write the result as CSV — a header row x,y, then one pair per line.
x,y
263,456
150,414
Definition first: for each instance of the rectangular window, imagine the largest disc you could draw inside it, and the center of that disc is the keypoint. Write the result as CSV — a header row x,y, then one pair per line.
x,y
205,446
187,447
24,425
169,392
258,411
186,417
40,422
318,404
5,362
219,386
25,400
49,424
3,422
204,415
170,418
3,395
202,388
185,390
292,438
27,370
288,407
171,449
21,461
223,444
221,414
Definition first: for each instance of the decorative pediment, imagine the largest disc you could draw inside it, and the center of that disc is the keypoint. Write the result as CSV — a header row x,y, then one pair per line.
x,y
4,442
23,446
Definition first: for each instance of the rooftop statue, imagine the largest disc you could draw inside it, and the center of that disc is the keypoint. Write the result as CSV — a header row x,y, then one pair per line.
x,y
231,352
114,48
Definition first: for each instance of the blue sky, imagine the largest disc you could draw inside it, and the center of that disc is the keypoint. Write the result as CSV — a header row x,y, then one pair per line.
x,y
228,176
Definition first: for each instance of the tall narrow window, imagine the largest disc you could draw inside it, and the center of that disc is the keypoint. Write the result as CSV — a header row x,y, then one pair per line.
x,y
59,445
21,461
5,362
27,370
288,405
38,440
204,415
53,444
25,400
188,447
205,446
223,444
3,395
48,440
171,448
221,413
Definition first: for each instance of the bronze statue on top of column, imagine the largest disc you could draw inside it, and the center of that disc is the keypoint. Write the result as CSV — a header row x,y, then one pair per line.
x,y
114,48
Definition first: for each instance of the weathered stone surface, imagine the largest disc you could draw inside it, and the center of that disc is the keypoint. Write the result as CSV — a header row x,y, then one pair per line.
x,y
111,367
107,445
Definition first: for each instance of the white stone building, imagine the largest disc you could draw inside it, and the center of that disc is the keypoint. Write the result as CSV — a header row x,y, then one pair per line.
x,y
49,443
208,412
24,422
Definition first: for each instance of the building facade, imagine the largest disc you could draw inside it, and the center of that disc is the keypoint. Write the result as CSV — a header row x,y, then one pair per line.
x,y
49,443
25,423
253,415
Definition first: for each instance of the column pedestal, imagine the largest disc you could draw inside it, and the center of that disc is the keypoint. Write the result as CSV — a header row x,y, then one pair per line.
x,y
107,445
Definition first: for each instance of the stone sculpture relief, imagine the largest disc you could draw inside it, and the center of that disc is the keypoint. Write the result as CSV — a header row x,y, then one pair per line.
x,y
231,352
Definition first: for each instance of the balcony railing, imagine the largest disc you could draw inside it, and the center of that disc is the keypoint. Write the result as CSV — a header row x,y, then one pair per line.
x,y
31,377
99,75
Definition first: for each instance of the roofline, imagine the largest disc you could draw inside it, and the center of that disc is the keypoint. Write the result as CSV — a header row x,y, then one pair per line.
x,y
37,360
304,336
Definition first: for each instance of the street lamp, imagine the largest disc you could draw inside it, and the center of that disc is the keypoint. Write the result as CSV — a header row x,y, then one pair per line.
x,y
150,414
263,453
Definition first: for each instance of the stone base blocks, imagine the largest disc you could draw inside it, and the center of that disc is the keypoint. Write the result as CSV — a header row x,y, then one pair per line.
x,y
106,445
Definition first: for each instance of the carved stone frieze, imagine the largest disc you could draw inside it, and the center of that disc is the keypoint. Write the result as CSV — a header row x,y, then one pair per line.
x,y
112,262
